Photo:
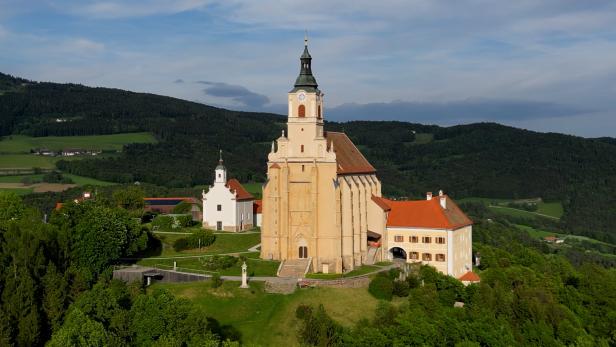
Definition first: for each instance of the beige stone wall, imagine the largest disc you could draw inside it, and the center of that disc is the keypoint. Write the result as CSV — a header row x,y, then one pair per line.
x,y
462,250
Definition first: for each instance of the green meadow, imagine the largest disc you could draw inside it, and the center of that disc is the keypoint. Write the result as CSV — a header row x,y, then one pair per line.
x,y
23,144
265,319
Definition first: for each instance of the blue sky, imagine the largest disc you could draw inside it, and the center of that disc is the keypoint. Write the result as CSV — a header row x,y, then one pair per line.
x,y
541,65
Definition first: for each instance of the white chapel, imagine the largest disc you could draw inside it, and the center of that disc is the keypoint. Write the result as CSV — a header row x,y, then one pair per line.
x,y
227,206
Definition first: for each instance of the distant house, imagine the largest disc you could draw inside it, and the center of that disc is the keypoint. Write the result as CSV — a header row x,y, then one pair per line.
x,y
257,208
45,152
469,278
227,205
69,152
166,205
553,239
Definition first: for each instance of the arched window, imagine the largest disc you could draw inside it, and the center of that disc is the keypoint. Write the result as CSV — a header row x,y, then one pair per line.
x,y
302,149
319,112
303,252
301,111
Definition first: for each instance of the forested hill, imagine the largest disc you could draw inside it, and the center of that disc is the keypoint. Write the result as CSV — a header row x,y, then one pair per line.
x,y
34,108
487,160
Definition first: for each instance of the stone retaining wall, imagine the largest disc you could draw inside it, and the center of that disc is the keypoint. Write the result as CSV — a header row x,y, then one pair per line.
x,y
355,282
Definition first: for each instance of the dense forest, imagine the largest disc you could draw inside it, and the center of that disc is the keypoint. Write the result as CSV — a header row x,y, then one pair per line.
x,y
487,160
55,290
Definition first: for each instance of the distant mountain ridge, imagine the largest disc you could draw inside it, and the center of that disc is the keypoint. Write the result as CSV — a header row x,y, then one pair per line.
x,y
484,159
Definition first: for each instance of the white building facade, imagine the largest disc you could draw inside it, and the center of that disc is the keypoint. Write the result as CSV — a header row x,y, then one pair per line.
x,y
227,206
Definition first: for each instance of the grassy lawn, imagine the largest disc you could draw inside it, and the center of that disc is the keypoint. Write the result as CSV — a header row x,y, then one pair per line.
x,y
544,209
269,319
79,180
18,191
17,179
362,270
554,209
26,161
23,144
540,234
82,181
256,267
225,243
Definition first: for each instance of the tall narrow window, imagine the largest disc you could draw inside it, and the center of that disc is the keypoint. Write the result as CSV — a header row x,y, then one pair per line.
x,y
302,148
303,252
301,111
319,112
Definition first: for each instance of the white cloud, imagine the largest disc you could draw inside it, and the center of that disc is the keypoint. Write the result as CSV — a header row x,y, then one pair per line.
x,y
124,9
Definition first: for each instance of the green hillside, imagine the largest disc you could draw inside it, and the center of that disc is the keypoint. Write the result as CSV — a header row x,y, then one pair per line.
x,y
477,160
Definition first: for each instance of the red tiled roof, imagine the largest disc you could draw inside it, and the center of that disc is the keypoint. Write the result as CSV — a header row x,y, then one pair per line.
x,y
470,277
257,206
382,203
59,205
426,214
237,188
349,158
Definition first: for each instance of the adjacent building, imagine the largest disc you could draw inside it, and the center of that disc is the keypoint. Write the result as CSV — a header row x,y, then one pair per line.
x,y
434,231
227,205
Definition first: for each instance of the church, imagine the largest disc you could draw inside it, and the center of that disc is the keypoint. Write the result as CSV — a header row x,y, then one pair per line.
x,y
322,206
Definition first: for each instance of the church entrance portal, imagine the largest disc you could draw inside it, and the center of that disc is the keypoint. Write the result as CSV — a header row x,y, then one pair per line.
x,y
398,253
303,252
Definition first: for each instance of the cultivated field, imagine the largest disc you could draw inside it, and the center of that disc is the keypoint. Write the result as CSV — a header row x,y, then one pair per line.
x,y
23,144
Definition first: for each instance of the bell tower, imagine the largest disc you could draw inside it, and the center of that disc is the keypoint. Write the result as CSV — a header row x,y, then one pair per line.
x,y
305,114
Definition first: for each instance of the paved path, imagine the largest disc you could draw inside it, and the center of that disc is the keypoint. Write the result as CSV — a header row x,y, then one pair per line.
x,y
254,248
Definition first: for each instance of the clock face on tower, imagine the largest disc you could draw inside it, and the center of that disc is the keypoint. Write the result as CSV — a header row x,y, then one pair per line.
x,y
301,96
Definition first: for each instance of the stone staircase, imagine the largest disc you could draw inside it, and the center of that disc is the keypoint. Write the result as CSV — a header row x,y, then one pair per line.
x,y
293,268
371,255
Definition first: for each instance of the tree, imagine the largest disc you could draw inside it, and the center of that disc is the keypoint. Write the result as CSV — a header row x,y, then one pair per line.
x,y
105,234
11,208
130,198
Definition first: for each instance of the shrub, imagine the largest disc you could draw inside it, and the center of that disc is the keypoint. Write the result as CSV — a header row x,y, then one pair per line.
x,y
218,262
184,221
381,287
162,223
303,311
181,244
412,281
216,281
56,177
201,238
400,288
